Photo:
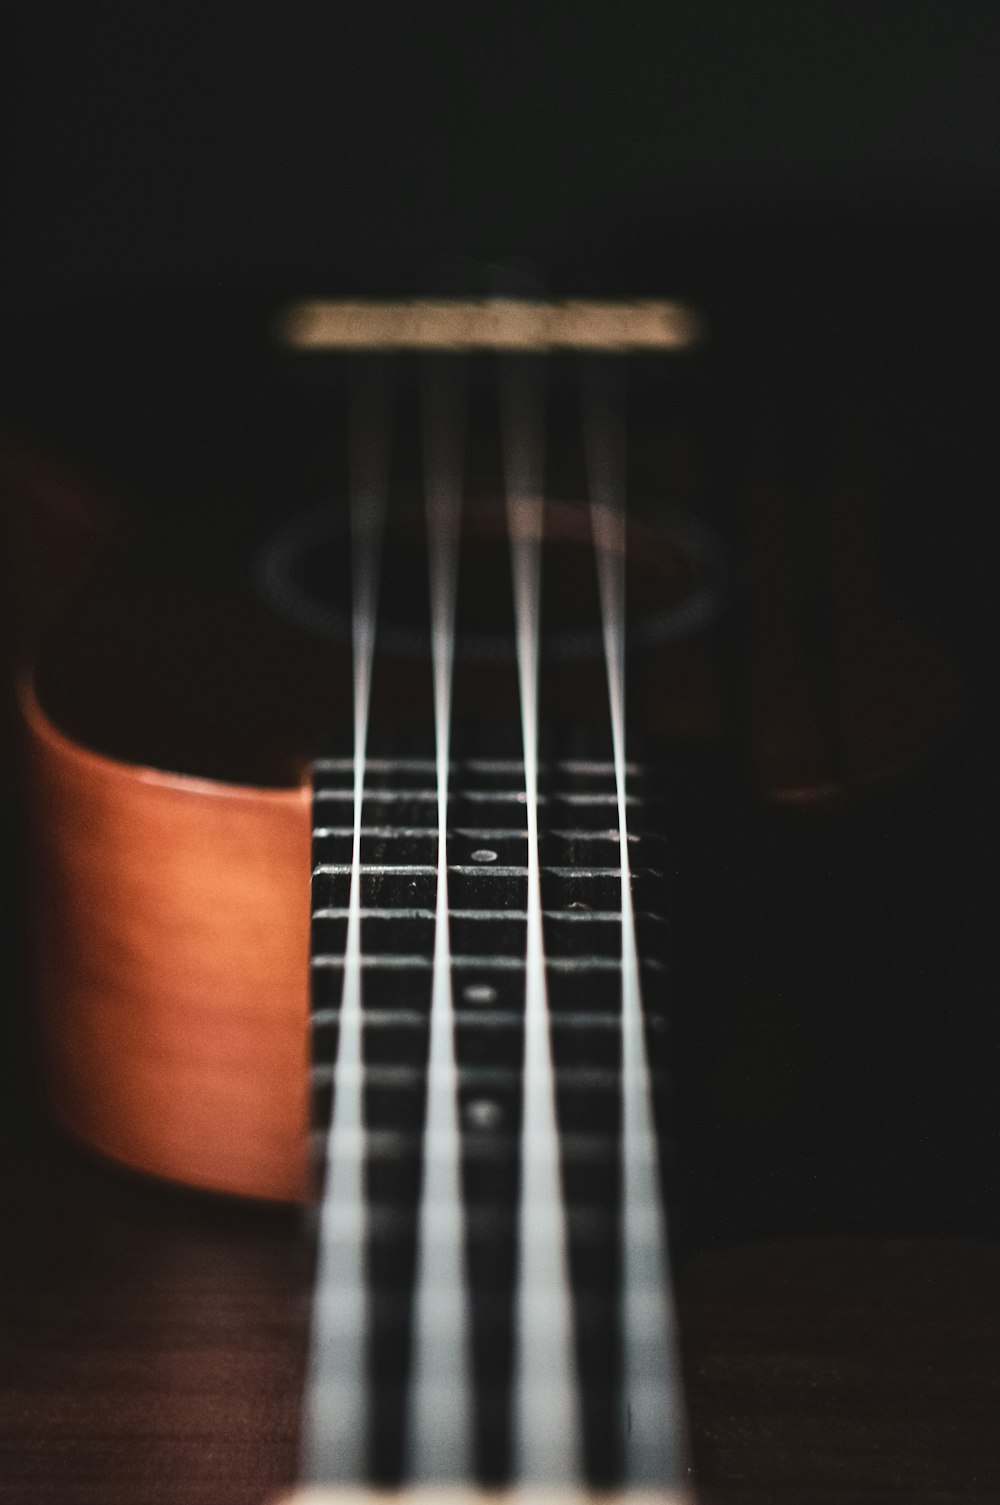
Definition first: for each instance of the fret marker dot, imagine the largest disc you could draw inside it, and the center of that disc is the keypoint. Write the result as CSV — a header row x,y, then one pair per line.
x,y
479,992
579,905
483,854
483,1113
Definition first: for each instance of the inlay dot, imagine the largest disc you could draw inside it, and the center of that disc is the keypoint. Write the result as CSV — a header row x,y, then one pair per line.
x,y
483,1113
483,854
479,992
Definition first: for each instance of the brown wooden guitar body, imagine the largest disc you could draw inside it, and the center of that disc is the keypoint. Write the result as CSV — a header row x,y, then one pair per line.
x,y
170,912
173,950
169,730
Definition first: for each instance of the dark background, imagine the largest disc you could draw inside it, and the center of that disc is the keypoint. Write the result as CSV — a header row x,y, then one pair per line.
x,y
822,178
205,146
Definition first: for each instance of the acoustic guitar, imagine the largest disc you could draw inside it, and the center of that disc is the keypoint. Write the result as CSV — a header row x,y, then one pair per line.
x,y
427,712
353,889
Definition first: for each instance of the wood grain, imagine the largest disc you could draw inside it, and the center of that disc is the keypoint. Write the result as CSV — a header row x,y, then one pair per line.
x,y
502,324
173,964
835,1370
153,1343
151,1339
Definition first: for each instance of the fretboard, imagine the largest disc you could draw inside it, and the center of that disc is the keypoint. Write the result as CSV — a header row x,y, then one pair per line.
x,y
466,1308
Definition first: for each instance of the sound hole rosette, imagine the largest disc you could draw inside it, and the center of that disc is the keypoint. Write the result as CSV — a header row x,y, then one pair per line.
x,y
302,572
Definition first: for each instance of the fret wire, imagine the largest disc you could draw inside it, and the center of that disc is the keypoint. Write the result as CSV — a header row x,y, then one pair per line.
x,y
487,1018
399,1143
475,765
485,963
391,796
571,916
477,833
411,869
582,1077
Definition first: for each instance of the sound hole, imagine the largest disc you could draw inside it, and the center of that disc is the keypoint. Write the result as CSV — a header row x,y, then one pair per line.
x,y
674,583
206,682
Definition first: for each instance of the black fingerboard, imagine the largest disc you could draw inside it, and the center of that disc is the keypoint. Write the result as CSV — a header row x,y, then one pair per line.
x,y
579,853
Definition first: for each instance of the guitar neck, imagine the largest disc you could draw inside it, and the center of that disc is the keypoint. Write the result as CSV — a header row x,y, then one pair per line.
x,y
492,1301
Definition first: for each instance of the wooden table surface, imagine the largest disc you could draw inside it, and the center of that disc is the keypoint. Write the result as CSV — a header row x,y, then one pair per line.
x,y
153,1349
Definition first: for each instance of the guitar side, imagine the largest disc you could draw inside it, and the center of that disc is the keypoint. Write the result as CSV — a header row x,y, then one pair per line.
x,y
170,913
172,944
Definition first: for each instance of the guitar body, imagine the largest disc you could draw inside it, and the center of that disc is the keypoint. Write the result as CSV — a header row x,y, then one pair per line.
x,y
173,964
170,908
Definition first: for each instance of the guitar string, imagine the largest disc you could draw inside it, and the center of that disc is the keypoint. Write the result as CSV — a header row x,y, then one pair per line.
x,y
335,1429
546,1430
439,1422
652,1425
546,1434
